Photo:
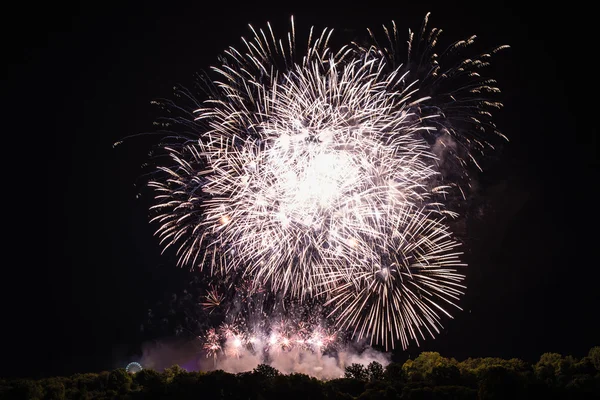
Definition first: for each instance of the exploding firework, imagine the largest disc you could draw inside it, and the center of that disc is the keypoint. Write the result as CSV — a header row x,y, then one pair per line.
x,y
212,343
281,336
400,297
326,177
213,299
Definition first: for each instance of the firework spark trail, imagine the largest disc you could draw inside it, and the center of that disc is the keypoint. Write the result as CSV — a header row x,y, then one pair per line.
x,y
213,299
313,178
457,90
284,335
398,297
326,178
291,346
212,343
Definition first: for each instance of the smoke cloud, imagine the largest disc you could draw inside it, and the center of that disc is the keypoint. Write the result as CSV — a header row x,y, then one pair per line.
x,y
236,359
309,361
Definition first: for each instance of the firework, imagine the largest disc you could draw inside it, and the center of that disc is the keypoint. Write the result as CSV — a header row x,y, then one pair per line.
x,y
305,196
282,336
459,96
213,299
212,344
327,178
403,294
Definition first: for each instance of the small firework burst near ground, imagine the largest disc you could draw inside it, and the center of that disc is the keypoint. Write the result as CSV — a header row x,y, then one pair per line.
x,y
329,175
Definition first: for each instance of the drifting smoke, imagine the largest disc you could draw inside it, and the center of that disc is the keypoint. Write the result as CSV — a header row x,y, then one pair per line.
x,y
297,340
319,365
236,358
158,355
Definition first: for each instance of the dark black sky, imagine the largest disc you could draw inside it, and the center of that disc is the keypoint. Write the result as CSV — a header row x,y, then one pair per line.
x,y
81,263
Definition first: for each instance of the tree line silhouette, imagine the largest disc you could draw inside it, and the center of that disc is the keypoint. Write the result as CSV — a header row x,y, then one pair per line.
x,y
429,376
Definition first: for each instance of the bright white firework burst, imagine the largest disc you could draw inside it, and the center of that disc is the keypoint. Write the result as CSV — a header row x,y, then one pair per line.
x,y
322,177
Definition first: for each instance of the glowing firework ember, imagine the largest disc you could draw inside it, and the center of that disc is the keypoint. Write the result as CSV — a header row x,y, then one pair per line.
x,y
327,177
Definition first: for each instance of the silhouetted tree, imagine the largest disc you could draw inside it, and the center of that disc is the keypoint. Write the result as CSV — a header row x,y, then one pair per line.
x,y
421,367
417,393
379,392
185,385
119,380
265,370
594,356
295,387
253,385
356,371
394,372
219,385
429,376
501,383
444,375
582,386
172,372
346,386
87,382
150,381
54,389
453,393
375,371
546,369
26,389
584,366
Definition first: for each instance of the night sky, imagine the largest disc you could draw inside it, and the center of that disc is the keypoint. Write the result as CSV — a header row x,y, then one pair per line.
x,y
82,266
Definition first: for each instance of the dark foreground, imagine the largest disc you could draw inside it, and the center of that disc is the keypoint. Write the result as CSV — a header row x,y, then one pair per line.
x,y
429,376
